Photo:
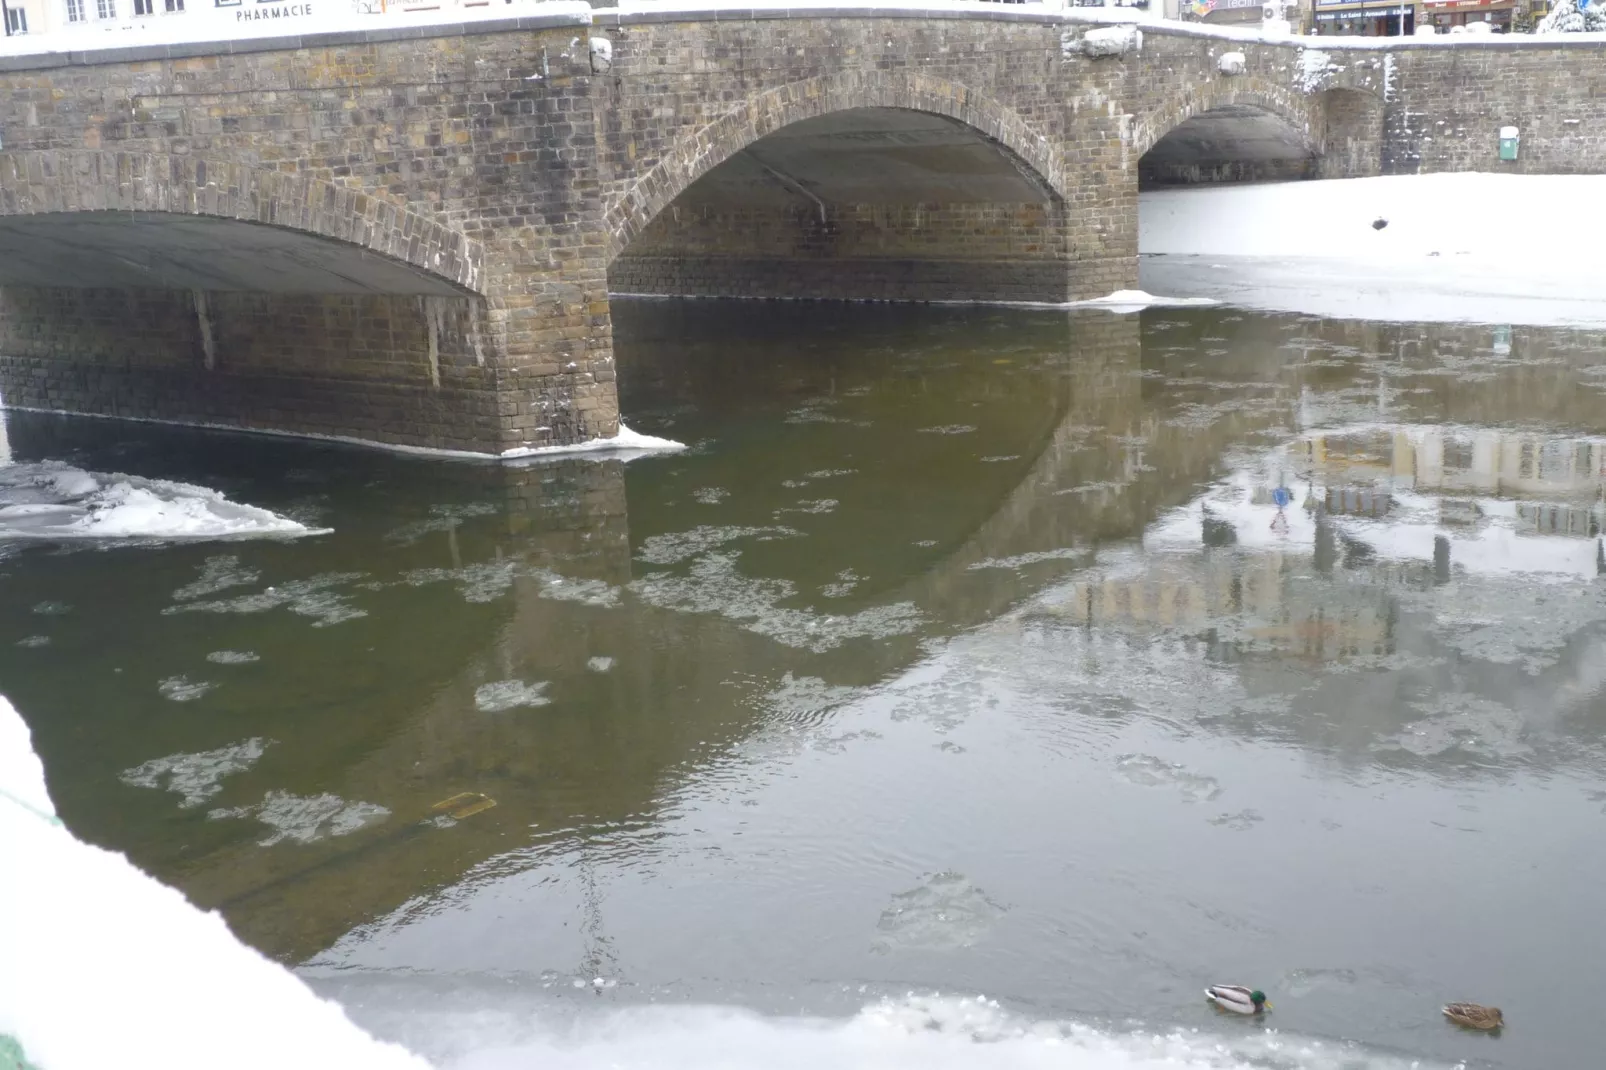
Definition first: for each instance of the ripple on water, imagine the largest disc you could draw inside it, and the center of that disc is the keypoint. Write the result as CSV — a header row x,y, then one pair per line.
x,y
806,699
503,695
306,818
944,912
198,776
1150,772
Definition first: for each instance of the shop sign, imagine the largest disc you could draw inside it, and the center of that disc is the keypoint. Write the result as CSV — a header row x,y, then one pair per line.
x,y
1459,5
1365,13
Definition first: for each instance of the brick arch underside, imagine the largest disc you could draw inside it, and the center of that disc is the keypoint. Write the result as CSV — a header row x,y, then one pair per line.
x,y
37,182
705,149
1303,112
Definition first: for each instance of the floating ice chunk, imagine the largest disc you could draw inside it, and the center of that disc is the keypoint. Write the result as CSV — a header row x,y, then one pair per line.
x,y
587,592
944,913
600,664
183,689
310,597
627,445
197,776
484,582
217,574
51,500
34,641
672,547
509,694
232,657
306,818
1151,772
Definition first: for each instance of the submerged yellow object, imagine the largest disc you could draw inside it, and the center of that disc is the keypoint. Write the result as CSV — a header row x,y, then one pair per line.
x,y
463,804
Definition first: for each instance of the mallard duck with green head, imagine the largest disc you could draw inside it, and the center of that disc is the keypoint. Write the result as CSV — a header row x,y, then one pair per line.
x,y
1238,999
1474,1015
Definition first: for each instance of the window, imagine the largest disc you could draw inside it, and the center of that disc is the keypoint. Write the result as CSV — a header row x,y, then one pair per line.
x,y
143,7
106,9
16,20
75,10
174,6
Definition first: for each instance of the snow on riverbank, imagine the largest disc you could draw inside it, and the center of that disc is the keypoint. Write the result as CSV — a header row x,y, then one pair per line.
x,y
107,967
52,500
1454,247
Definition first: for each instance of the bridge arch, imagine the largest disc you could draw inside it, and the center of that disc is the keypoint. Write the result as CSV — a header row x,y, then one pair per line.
x,y
395,241
699,152
1301,112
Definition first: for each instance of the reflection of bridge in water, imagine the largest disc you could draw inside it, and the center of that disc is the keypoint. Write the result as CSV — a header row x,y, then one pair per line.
x,y
1112,456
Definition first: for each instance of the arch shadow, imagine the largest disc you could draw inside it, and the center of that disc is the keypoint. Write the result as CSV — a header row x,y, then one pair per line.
x,y
77,188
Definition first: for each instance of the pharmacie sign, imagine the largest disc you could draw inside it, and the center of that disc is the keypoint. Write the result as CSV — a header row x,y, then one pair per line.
x,y
267,9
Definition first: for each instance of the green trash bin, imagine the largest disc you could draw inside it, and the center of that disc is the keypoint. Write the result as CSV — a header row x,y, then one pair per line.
x,y
1508,142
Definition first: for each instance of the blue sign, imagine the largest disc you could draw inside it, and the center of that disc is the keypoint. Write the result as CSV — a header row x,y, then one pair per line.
x,y
1280,496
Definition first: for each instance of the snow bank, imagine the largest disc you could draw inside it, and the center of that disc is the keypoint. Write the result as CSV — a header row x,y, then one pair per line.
x,y
106,967
1452,247
52,500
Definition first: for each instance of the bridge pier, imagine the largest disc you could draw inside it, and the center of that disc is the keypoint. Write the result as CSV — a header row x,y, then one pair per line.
x,y
405,370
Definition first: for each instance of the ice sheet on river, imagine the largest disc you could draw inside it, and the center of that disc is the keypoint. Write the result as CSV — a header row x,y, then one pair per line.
x,y
53,500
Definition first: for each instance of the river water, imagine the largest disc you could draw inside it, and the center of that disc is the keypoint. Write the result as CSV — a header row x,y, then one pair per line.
x,y
1077,660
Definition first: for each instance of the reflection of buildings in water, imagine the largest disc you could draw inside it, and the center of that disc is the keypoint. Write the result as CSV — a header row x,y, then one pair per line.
x,y
1266,600
1465,460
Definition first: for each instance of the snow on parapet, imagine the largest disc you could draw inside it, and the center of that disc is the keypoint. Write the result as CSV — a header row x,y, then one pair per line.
x,y
1316,69
1112,41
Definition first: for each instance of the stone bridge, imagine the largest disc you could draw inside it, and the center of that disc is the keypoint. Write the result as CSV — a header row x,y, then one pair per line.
x,y
409,235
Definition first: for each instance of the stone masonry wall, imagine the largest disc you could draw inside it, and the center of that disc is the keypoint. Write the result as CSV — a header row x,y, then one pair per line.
x,y
1001,252
403,370
517,164
1447,107
439,129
